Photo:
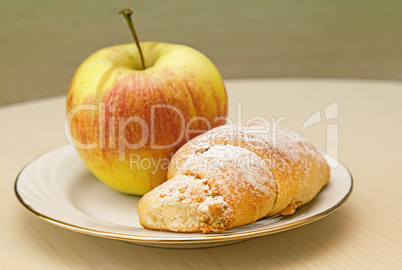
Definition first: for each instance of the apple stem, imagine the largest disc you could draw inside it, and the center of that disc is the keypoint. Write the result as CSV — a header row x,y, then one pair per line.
x,y
126,12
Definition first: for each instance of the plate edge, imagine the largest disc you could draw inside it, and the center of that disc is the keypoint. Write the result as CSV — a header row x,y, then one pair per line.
x,y
173,240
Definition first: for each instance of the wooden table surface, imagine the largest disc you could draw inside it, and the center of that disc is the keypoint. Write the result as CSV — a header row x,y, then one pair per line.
x,y
365,232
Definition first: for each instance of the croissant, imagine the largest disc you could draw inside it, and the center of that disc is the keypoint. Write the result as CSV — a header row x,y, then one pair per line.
x,y
234,175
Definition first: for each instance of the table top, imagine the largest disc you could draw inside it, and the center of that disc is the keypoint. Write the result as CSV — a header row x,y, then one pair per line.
x,y
365,232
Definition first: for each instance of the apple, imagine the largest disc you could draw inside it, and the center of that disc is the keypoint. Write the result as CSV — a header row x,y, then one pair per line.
x,y
131,107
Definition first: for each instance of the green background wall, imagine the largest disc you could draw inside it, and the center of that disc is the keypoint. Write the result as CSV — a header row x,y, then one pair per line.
x,y
43,42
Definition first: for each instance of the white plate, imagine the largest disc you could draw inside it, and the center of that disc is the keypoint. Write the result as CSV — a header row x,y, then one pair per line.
x,y
58,188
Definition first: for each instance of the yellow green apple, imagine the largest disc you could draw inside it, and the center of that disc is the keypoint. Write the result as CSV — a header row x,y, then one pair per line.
x,y
127,117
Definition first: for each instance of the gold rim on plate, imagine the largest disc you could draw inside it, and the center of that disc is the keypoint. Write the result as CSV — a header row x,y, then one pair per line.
x,y
181,240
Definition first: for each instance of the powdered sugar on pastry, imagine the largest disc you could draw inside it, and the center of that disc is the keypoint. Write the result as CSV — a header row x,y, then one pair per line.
x,y
185,204
232,160
234,175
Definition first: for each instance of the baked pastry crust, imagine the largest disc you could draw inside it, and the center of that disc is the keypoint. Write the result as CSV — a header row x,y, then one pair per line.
x,y
234,175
